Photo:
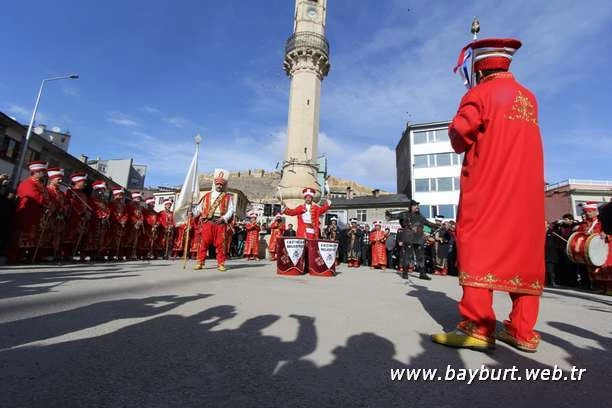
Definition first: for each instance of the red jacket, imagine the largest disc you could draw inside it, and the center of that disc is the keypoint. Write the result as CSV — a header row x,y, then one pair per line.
x,y
315,212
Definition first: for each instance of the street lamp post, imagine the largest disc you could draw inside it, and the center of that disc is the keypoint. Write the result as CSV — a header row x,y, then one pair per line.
x,y
24,149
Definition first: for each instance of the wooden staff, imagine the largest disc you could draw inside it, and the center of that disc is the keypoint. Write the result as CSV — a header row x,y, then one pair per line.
x,y
187,231
43,226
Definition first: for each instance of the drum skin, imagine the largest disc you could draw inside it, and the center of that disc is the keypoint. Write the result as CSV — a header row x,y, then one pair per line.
x,y
586,249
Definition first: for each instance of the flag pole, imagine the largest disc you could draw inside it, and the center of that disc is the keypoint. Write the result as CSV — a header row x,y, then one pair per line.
x,y
198,139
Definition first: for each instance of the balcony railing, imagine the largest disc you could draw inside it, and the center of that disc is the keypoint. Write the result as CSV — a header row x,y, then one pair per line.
x,y
307,39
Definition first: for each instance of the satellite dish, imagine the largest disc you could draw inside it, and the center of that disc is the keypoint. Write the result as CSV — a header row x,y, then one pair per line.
x,y
39,130
56,129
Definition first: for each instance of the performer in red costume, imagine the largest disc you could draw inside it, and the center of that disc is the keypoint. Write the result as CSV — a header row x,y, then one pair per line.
x,y
277,229
151,226
135,227
602,275
166,234
97,240
308,215
378,241
118,224
57,219
251,246
33,203
215,210
79,214
496,126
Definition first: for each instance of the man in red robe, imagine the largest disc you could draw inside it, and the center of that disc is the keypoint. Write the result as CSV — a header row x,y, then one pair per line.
x,y
150,227
79,214
32,212
97,241
57,220
496,126
215,210
135,226
166,234
251,246
277,229
118,224
378,242
602,275
308,215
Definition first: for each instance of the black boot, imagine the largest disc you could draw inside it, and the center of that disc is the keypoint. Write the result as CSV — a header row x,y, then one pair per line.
x,y
404,275
424,276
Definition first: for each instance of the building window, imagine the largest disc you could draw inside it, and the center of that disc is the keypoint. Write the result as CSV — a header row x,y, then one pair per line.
x,y
361,216
9,149
420,137
457,185
31,155
420,161
421,185
445,210
425,211
441,135
445,184
443,159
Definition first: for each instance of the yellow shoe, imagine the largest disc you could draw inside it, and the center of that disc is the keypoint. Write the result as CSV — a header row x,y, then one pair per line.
x,y
198,266
459,339
222,268
509,339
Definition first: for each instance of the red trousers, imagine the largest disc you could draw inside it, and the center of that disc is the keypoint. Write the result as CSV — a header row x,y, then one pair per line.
x,y
476,309
212,234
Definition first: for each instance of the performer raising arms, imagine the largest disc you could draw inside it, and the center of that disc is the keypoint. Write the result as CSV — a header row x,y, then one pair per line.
x,y
215,209
308,214
496,126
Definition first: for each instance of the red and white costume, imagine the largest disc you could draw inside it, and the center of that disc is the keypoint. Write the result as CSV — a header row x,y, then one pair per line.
x,y
496,126
79,214
308,216
601,275
378,242
215,210
251,245
166,223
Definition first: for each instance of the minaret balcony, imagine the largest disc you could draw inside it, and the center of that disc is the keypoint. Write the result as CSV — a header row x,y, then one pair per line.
x,y
308,40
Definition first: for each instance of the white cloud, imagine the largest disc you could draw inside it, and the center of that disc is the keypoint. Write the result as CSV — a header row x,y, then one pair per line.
x,y
151,110
71,91
177,121
121,119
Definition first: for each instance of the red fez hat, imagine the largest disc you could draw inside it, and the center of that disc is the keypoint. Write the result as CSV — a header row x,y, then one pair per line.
x,y
55,172
37,165
98,185
78,176
308,192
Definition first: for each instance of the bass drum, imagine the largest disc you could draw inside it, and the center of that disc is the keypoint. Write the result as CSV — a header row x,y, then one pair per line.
x,y
587,249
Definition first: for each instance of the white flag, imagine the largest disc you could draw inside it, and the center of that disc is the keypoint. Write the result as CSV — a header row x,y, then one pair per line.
x,y
190,192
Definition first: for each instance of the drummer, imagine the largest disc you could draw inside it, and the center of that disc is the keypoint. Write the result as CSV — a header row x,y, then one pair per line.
x,y
308,214
600,276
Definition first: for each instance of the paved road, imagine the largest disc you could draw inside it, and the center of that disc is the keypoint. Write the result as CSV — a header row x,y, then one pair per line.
x,y
155,335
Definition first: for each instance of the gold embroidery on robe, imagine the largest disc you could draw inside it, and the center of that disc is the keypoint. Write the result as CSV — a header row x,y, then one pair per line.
x,y
522,109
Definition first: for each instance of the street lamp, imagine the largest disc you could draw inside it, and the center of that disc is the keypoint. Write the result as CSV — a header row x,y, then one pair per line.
x,y
17,170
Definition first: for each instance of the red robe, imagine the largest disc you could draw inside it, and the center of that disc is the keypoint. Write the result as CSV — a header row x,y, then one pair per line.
x,y
150,230
118,227
277,229
134,233
33,201
308,231
97,239
378,240
57,221
502,178
251,245
77,222
166,232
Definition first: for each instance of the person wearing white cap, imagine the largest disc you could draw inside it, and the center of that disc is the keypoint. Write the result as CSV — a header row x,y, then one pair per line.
x,y
166,223
119,218
97,239
57,219
79,214
150,228
215,209
308,214
277,229
135,222
601,276
251,247
378,241
32,202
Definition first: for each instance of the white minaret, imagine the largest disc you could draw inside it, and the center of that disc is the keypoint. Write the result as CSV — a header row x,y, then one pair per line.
x,y
306,63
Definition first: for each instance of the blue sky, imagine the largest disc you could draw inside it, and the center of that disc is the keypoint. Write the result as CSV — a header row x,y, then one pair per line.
x,y
154,73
